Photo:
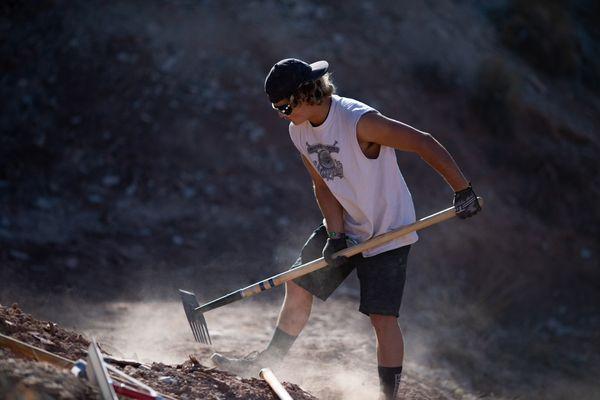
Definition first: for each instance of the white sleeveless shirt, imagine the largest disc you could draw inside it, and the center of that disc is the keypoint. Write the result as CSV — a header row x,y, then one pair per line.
x,y
372,192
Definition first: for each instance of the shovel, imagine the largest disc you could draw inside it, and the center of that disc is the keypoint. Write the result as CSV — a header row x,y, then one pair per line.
x,y
195,312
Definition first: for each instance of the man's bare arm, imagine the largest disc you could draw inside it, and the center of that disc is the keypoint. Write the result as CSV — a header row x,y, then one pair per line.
x,y
376,128
330,208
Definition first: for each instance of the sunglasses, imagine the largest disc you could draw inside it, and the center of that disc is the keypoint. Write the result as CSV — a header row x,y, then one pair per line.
x,y
285,109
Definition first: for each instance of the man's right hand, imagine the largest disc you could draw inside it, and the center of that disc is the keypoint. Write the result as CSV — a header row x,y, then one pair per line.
x,y
333,246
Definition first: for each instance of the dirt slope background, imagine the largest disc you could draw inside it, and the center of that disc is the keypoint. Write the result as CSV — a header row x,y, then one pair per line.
x,y
138,155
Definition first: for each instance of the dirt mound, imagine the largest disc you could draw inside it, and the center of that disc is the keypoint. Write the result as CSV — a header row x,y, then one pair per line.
x,y
188,380
44,334
193,380
30,380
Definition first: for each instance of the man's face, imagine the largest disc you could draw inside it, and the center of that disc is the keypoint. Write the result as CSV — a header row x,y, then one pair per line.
x,y
298,114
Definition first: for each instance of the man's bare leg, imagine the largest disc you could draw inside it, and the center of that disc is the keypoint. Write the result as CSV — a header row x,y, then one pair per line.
x,y
390,343
295,309
390,353
292,319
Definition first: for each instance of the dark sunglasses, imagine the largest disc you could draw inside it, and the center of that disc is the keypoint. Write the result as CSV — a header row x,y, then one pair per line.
x,y
285,109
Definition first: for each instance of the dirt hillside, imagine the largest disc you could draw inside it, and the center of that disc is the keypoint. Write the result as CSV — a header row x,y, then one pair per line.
x,y
139,155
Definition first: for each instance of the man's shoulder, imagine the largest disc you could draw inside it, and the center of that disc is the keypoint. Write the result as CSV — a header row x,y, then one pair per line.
x,y
292,128
349,104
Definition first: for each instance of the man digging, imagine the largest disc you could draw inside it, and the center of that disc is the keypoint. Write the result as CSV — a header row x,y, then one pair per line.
x,y
349,150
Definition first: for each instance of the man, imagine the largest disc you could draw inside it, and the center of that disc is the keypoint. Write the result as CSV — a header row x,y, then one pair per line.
x,y
349,150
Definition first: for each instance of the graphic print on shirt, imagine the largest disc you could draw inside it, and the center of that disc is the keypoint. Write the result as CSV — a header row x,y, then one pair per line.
x,y
327,166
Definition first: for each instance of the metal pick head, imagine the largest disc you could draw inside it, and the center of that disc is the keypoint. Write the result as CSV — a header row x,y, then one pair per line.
x,y
195,318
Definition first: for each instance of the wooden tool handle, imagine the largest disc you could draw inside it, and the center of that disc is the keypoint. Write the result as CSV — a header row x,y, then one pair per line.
x,y
272,380
319,263
35,353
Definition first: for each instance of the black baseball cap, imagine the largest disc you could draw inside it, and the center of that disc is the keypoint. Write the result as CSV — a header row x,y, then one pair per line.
x,y
288,74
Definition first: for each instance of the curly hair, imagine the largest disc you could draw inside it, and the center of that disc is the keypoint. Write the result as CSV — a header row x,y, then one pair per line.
x,y
313,92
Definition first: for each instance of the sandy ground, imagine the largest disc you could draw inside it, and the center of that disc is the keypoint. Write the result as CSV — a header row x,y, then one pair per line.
x,y
334,358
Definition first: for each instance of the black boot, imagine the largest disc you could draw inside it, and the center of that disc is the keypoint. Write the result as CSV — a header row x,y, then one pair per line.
x,y
389,381
250,364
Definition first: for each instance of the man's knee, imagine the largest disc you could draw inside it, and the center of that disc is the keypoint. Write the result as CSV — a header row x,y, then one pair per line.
x,y
297,294
383,323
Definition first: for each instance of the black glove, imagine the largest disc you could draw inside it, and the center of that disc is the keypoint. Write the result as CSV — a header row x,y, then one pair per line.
x,y
333,246
466,203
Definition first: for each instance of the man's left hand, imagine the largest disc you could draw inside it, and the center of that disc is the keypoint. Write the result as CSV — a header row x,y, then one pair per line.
x,y
466,203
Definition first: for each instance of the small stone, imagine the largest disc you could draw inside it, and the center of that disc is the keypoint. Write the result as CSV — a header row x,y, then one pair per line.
x,y
169,380
111,180
19,255
256,134
131,189
124,57
585,253
283,221
39,268
95,199
27,100
45,203
177,240
200,176
188,192
168,64
210,190
145,117
72,263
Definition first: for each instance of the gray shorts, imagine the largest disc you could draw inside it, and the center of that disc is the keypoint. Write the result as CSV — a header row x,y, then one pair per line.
x,y
381,276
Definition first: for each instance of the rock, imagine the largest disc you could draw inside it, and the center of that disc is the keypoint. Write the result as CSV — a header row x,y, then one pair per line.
x,y
256,134
210,189
39,268
19,255
111,180
45,203
168,380
72,263
283,221
168,64
145,232
177,240
95,199
188,192
585,253
131,189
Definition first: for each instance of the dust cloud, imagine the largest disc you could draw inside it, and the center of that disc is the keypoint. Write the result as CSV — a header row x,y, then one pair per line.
x,y
333,358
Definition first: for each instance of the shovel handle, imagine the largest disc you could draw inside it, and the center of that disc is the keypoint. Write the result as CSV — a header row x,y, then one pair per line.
x,y
319,263
277,387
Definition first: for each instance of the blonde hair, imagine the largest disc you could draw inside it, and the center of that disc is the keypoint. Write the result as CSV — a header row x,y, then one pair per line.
x,y
313,92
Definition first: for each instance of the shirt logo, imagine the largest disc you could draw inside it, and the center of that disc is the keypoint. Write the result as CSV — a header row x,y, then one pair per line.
x,y
327,166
